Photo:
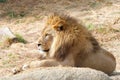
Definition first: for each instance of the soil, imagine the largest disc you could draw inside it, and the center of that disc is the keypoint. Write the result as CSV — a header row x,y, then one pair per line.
x,y
25,17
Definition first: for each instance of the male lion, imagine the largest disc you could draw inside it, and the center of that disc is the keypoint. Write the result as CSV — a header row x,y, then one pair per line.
x,y
65,42
68,43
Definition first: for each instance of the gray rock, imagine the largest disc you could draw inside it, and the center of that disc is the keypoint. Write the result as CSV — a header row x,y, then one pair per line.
x,y
6,32
115,78
6,36
115,75
59,74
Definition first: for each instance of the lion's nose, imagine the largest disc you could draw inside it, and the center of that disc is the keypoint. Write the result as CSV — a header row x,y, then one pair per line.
x,y
39,45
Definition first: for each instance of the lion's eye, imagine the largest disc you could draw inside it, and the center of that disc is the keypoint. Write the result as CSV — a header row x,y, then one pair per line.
x,y
60,28
46,36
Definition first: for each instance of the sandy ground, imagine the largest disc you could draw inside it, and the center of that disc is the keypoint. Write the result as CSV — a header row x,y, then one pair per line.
x,y
102,17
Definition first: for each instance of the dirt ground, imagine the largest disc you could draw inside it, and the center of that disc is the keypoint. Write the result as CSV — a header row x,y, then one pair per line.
x,y
24,17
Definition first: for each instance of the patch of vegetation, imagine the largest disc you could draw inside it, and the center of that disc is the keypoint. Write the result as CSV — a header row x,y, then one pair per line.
x,y
94,4
21,14
3,1
4,62
105,30
12,56
10,59
13,14
20,38
114,30
1,43
90,26
102,30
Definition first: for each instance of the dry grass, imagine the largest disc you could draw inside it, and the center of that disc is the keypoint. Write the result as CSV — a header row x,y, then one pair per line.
x,y
10,60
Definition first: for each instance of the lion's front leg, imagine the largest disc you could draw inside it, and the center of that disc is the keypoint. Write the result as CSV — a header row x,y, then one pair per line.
x,y
36,64
44,63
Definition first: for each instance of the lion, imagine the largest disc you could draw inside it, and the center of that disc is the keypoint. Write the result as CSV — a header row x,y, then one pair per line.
x,y
68,43
65,42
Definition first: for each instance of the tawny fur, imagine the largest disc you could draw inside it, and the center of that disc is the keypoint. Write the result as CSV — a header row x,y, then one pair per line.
x,y
73,45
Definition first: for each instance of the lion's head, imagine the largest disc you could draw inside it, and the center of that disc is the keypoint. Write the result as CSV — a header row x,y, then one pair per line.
x,y
62,35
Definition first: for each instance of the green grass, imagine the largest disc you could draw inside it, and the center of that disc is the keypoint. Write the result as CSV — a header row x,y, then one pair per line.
x,y
90,26
20,38
13,14
3,1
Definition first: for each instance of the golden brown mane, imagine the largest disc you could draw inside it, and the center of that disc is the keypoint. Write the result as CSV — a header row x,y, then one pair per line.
x,y
65,41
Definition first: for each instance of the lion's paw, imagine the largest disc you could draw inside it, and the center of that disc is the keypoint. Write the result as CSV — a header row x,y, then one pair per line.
x,y
20,69
16,70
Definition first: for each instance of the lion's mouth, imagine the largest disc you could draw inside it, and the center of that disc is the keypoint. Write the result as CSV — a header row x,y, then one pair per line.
x,y
43,52
46,50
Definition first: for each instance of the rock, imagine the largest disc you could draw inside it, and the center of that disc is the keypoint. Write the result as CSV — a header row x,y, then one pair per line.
x,y
6,37
6,32
59,74
115,75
